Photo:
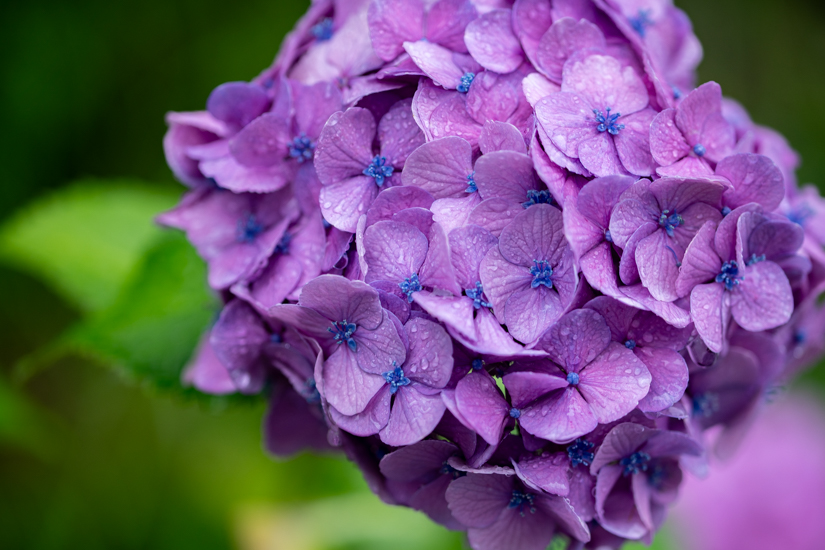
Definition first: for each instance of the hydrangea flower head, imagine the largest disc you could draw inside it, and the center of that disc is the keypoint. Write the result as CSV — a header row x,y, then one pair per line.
x,y
508,257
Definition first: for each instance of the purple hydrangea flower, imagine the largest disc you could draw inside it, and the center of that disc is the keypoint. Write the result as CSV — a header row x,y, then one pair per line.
x,y
530,278
350,170
356,333
408,406
638,475
591,380
501,512
655,222
688,140
655,343
600,117
745,282
235,234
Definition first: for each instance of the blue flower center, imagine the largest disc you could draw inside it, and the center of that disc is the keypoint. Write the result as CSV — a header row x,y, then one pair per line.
x,y
630,344
729,275
573,378
607,236
310,392
705,404
477,295
677,93
726,210
541,272
248,229
477,364
537,197
754,259
446,469
657,476
276,338
471,183
521,500
322,31
301,148
283,244
670,221
409,285
799,337
581,452
395,378
641,22
607,122
378,170
342,332
699,150
800,214
515,413
635,463
466,80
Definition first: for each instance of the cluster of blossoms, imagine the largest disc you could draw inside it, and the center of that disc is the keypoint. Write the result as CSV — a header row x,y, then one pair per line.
x,y
504,255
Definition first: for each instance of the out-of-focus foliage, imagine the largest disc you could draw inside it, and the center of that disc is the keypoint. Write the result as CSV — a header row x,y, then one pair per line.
x,y
89,460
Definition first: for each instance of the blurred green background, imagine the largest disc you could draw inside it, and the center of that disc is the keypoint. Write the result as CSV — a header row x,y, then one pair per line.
x,y
95,457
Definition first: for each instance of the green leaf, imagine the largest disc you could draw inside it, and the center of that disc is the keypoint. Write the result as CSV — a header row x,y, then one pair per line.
x,y
85,239
22,424
153,327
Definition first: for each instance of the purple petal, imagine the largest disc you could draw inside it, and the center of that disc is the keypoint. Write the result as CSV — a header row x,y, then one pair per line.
x,y
505,174
237,340
399,134
440,167
763,300
290,426
622,441
262,142
577,339
501,279
396,199
536,86
614,383
528,531
529,312
501,136
700,263
371,420
567,118
237,103
394,251
347,387
603,81
437,62
454,311
206,373
565,37
531,19
535,234
430,356
598,154
658,263
633,143
414,416
446,22
491,42
667,144
494,215
437,270
393,22
755,178
628,268
338,299
482,406
417,461
525,387
710,310
344,202
477,500
545,473
468,246
454,213
669,378
378,349
560,417
345,145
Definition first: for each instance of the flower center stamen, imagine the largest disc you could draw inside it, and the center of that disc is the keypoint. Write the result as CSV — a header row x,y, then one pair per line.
x,y
409,285
520,500
477,295
635,463
729,275
580,452
541,272
322,31
471,183
669,221
608,122
537,197
466,80
573,378
378,170
342,332
301,148
248,229
395,378
641,22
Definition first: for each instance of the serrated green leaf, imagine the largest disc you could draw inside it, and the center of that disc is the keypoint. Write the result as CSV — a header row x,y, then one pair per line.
x,y
85,239
152,328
